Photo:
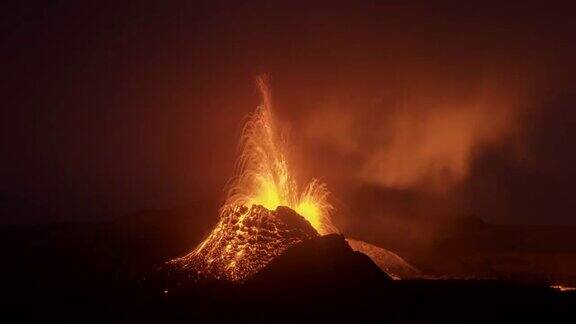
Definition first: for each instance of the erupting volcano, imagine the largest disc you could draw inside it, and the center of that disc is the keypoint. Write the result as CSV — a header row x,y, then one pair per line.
x,y
265,211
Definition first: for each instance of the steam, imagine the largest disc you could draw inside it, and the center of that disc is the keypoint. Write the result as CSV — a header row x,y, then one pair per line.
x,y
424,138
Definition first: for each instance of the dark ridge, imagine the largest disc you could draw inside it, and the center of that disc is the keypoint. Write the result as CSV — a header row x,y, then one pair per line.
x,y
321,261
294,220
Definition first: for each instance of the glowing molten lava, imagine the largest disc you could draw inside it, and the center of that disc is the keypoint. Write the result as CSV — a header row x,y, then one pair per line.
x,y
255,226
563,288
263,176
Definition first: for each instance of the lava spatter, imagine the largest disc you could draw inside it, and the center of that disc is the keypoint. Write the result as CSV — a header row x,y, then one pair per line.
x,y
244,241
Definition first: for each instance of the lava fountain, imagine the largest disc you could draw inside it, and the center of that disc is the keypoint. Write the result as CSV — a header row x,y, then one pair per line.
x,y
264,177
265,211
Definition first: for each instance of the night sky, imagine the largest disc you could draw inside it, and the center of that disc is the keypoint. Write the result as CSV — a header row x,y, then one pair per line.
x,y
112,107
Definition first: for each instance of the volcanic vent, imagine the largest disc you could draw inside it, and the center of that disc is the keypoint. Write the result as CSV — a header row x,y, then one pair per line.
x,y
265,211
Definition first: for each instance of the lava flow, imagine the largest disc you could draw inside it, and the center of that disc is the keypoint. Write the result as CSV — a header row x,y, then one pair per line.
x,y
255,226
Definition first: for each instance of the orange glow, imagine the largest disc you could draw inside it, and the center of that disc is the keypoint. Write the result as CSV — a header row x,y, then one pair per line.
x,y
563,288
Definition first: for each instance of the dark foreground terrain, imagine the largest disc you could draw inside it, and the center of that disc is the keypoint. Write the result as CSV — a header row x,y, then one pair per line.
x,y
112,272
